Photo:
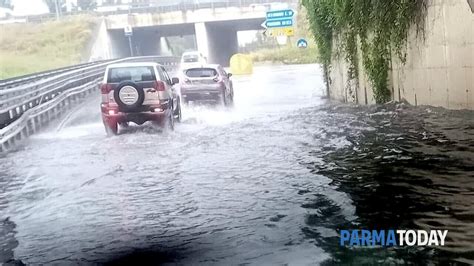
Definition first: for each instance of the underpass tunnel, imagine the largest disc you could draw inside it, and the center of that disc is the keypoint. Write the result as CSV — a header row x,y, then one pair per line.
x,y
153,40
223,43
221,38
119,44
217,40
181,43
146,42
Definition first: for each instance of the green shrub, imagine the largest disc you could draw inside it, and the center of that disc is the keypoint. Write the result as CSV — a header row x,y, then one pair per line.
x,y
382,27
287,55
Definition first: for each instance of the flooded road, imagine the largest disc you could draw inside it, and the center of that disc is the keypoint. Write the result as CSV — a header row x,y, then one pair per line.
x,y
269,182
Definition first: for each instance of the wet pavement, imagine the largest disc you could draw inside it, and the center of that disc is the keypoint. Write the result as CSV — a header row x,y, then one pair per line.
x,y
269,182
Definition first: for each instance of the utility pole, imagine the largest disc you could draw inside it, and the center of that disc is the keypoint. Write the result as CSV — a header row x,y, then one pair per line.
x,y
130,44
57,9
129,33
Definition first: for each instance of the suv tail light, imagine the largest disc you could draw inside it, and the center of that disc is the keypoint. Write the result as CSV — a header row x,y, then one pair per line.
x,y
219,80
105,88
159,86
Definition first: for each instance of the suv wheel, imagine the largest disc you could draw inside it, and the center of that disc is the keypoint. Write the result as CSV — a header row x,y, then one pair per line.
x,y
222,99
170,122
111,128
177,114
231,98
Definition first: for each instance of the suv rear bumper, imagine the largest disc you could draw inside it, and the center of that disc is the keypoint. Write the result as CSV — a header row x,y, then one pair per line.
x,y
138,118
112,115
204,93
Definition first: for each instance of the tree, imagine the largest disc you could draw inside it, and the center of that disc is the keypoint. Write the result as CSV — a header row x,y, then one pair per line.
x,y
87,4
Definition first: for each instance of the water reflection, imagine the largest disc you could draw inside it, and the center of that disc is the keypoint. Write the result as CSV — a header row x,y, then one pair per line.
x,y
269,182
404,168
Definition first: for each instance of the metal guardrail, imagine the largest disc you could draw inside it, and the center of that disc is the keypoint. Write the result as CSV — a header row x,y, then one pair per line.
x,y
17,81
33,119
25,109
15,101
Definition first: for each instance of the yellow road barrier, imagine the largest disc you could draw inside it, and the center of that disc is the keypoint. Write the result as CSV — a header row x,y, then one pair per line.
x,y
241,64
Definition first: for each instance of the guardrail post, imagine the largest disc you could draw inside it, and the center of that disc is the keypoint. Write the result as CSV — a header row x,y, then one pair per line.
x,y
48,117
6,144
42,119
57,111
9,143
31,127
23,134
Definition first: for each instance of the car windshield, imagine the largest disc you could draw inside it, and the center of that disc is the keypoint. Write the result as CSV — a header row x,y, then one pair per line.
x,y
201,72
190,58
136,73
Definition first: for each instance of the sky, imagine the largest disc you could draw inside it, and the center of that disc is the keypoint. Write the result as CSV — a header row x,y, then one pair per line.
x,y
29,7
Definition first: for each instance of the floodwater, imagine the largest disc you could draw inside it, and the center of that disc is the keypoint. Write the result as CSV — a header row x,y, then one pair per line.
x,y
268,182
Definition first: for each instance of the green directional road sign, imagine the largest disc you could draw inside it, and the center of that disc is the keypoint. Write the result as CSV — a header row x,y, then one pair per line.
x,y
276,14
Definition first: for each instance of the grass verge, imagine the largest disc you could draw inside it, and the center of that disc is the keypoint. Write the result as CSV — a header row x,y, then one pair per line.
x,y
286,55
29,48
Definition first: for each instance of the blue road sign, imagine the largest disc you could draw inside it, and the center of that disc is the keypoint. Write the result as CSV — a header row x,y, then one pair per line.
x,y
287,13
302,43
279,23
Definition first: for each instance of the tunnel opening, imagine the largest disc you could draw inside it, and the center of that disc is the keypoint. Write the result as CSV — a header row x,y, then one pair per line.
x,y
223,40
152,40
217,40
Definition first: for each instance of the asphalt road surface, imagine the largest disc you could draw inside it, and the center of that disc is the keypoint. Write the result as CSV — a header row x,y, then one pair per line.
x,y
268,182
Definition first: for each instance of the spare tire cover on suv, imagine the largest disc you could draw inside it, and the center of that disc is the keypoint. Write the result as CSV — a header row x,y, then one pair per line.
x,y
129,95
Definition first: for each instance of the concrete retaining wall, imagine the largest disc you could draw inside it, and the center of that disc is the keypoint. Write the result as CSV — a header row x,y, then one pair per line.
x,y
439,70
101,48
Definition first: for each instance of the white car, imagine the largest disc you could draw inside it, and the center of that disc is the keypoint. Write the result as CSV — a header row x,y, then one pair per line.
x,y
192,59
207,83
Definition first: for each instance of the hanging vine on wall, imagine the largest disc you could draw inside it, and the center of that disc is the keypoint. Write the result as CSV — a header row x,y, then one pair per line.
x,y
381,26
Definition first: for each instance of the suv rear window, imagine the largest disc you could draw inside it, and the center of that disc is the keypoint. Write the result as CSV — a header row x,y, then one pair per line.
x,y
201,72
137,74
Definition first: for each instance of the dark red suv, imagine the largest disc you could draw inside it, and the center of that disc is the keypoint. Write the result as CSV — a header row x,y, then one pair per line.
x,y
138,92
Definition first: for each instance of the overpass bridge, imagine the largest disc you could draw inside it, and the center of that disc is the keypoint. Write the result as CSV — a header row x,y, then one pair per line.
x,y
213,27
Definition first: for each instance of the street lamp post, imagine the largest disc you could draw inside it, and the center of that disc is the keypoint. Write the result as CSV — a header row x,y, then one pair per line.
x,y
57,9
129,33
130,45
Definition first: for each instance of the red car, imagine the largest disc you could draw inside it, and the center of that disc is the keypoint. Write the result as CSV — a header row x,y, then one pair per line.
x,y
138,92
207,83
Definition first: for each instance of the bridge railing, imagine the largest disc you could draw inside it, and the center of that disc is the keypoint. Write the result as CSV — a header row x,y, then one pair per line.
x,y
185,5
27,108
